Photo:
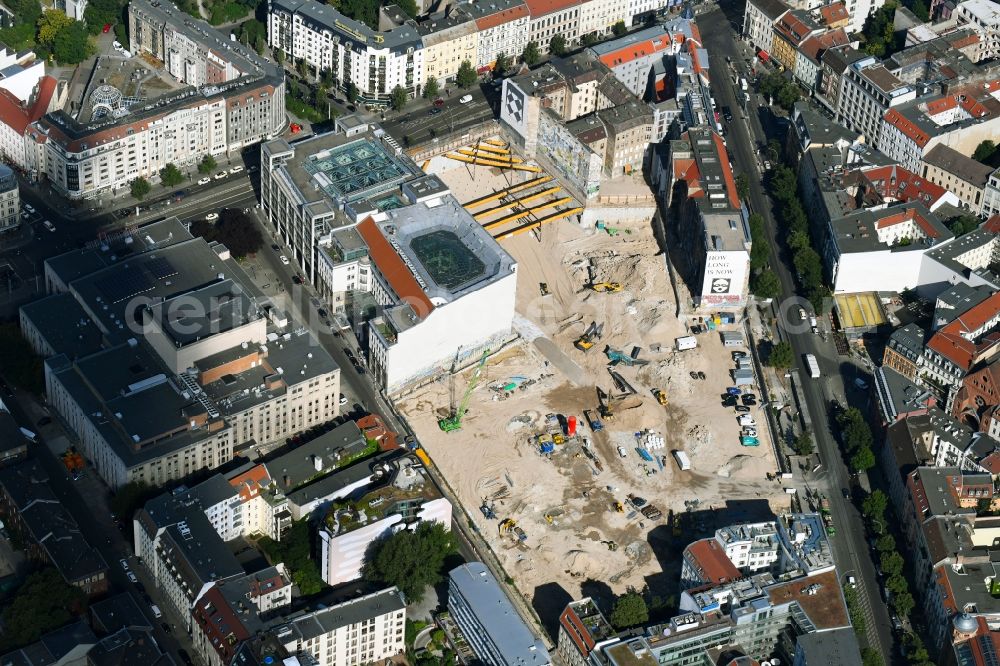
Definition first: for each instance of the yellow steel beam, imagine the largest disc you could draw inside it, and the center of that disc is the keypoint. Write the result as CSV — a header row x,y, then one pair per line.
x,y
524,228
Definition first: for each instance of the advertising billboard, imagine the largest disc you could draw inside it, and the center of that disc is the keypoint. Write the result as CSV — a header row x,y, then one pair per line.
x,y
725,278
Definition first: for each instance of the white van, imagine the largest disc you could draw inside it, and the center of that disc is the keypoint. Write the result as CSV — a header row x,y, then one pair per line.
x,y
743,84
465,99
156,611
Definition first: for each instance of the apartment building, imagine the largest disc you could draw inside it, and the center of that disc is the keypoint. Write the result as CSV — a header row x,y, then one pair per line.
x,y
237,100
10,200
488,621
904,350
869,91
991,196
17,117
165,396
791,30
713,221
553,17
955,348
449,39
982,16
46,529
959,173
960,119
808,59
632,57
583,630
833,63
398,495
758,23
503,27
597,16
375,62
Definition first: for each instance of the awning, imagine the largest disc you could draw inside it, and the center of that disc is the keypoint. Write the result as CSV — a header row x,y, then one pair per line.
x,y
483,69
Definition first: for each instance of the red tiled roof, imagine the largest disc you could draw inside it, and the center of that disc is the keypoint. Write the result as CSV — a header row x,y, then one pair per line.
x,y
946,595
392,267
991,463
542,7
17,115
834,13
903,124
710,559
501,17
639,50
686,169
812,46
992,224
727,171
221,626
909,215
898,183
249,483
948,341
792,28
968,40
372,426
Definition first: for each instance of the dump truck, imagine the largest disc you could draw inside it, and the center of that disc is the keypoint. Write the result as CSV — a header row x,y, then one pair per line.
x,y
593,421
661,397
651,512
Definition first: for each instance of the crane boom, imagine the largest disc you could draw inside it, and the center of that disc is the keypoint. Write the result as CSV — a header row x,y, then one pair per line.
x,y
454,422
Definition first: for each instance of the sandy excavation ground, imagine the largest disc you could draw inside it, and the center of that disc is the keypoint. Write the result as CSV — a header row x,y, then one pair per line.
x,y
495,457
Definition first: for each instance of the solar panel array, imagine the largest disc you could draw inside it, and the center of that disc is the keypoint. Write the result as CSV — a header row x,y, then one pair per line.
x,y
132,281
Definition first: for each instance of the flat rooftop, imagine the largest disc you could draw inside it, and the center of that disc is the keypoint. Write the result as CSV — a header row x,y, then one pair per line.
x,y
860,310
819,596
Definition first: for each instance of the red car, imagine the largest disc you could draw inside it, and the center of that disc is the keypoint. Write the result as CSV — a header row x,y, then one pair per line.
x,y
439,102
107,27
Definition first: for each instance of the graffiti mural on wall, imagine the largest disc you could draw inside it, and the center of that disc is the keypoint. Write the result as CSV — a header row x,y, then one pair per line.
x,y
576,162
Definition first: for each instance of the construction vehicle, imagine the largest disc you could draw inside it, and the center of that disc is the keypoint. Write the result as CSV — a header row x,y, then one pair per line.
x,y
651,512
660,396
612,546
605,287
618,507
543,288
592,421
616,356
593,333
454,422
487,510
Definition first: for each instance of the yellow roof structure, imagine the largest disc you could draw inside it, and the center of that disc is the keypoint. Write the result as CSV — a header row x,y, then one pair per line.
x,y
860,310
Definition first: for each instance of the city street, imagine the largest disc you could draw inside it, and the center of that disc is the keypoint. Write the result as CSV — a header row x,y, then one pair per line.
x,y
426,122
849,544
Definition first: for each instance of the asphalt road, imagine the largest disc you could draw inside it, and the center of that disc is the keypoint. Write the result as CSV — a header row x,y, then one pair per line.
x,y
424,122
849,545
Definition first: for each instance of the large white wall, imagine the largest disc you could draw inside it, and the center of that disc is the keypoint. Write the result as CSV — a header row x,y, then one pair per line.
x,y
878,271
23,83
462,324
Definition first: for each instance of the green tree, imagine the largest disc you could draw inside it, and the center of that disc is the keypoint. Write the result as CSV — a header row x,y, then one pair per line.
x,y
295,551
412,560
742,186
629,611
51,23
140,188
100,12
963,224
531,55
985,152
502,64
409,7
892,563
619,28
781,355
804,443
431,88
557,45
207,165
43,602
903,603
589,39
327,78
302,67
235,229
399,98
351,92
171,176
870,656
766,285
862,460
788,96
896,584
279,56
874,505
72,45
885,543
466,76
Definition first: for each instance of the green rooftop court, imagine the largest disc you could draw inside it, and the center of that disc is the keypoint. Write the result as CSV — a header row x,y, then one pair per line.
x,y
356,170
448,261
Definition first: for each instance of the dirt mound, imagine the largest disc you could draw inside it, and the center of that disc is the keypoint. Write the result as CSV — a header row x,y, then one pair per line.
x,y
733,465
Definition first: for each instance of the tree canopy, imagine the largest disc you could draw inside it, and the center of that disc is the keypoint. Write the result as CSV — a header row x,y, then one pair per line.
x,y
502,64
399,98
431,88
43,603
234,229
466,76
619,28
207,164
630,611
987,153
531,55
765,284
295,551
411,560
781,355
557,45
140,188
171,176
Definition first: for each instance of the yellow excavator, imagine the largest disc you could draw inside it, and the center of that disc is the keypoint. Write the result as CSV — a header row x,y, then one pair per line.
x,y
605,287
589,337
661,397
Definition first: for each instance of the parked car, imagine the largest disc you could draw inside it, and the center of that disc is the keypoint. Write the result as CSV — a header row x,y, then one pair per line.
x,y
124,563
106,29
465,99
322,313
846,493
742,409
733,390
749,399
275,247
439,102
48,225
284,259
204,181
746,421
343,399
434,111
212,216
220,175
236,169
132,577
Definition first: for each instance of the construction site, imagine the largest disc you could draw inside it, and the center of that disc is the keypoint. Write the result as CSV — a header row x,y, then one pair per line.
x,y
584,451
